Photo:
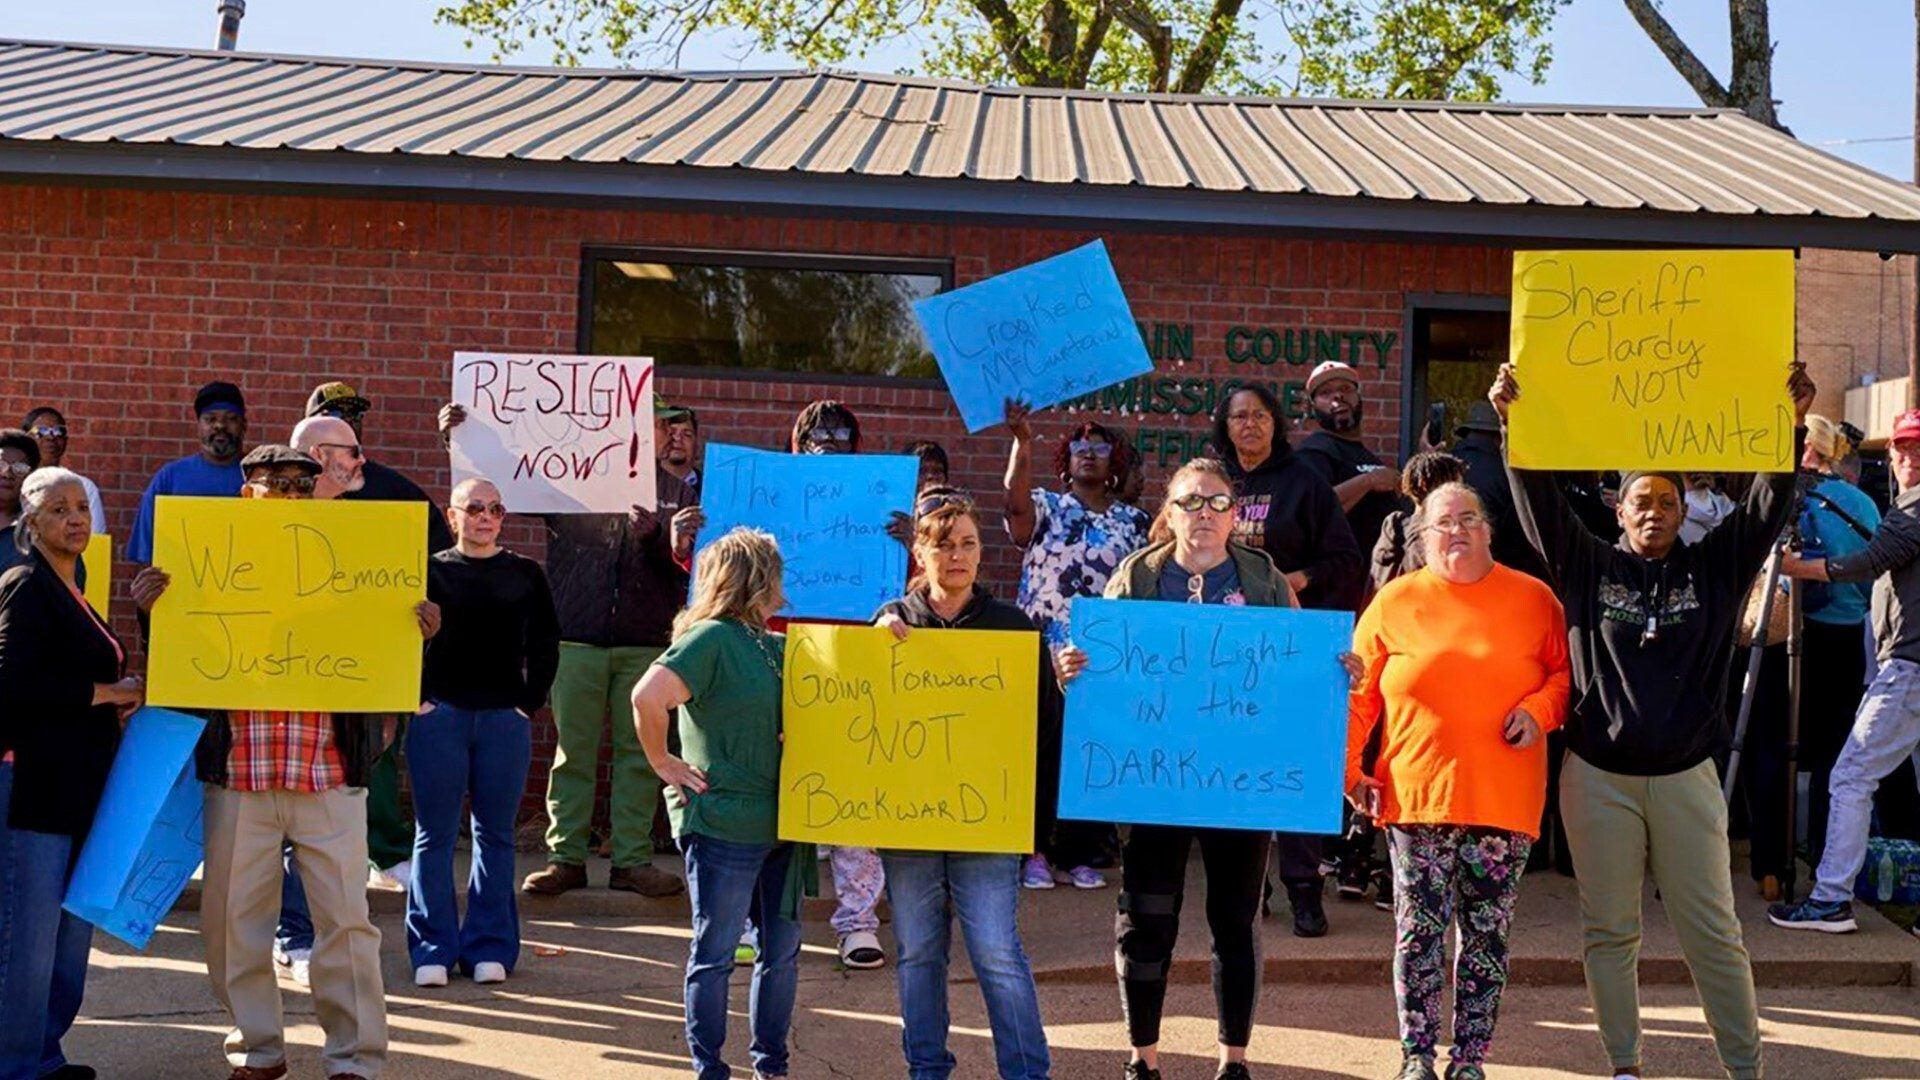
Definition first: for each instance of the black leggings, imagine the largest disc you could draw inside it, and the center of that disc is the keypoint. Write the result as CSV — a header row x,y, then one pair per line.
x,y
1153,878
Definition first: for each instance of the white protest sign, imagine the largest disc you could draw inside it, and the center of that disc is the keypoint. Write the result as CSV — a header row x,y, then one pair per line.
x,y
556,434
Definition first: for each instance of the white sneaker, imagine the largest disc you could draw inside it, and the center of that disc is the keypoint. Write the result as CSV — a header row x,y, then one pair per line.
x,y
298,962
396,877
430,975
489,972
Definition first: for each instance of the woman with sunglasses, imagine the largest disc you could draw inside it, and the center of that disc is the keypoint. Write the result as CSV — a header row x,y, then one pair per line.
x,y
1192,560
486,672
1466,671
1072,539
929,889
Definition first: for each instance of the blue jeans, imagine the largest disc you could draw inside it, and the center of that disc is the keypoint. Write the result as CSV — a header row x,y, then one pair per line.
x,y
43,949
454,754
728,884
295,930
927,891
1885,733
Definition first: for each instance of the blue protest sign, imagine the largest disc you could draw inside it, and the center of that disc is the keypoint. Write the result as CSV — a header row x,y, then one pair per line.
x,y
146,840
829,513
1207,715
1053,330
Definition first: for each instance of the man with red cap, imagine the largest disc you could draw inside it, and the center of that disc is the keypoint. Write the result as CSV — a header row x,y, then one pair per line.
x,y
1886,730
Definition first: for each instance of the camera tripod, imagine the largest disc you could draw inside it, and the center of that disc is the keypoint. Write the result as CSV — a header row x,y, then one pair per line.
x,y
1750,688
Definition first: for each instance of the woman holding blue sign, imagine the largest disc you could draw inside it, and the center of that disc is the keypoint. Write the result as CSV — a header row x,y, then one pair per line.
x,y
1192,560
62,677
982,889
1466,670
723,672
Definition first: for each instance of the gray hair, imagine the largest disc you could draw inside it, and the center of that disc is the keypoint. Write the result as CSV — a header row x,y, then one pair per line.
x,y
40,485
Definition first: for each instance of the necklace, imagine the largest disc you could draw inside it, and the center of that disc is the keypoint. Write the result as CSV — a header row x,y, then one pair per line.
x,y
759,637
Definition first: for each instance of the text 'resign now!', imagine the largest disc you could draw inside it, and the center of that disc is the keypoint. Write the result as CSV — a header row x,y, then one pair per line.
x,y
288,604
925,744
1669,359
1048,332
556,434
1211,716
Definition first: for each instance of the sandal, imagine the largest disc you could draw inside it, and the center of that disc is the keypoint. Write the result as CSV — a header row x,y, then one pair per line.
x,y
861,951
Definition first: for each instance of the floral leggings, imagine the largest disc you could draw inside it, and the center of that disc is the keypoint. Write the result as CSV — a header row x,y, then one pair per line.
x,y
1443,874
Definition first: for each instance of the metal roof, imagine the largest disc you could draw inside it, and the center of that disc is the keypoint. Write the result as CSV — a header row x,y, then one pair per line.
x,y
917,145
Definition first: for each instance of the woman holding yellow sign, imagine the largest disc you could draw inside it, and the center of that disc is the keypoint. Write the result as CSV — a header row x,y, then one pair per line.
x,y
983,889
723,672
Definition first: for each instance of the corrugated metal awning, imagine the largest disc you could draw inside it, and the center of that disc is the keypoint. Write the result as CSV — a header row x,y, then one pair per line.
x,y
890,145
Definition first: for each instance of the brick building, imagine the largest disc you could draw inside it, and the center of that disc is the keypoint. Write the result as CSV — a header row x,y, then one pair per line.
x,y
171,217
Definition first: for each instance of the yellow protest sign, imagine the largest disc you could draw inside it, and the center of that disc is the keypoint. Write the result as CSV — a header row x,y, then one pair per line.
x,y
1638,359
287,604
925,744
99,563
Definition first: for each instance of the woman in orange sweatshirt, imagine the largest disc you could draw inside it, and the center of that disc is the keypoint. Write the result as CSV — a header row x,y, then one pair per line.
x,y
1466,666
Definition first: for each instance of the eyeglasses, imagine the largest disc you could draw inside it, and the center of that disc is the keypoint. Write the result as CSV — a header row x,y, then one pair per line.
x,y
1088,446
1466,522
474,509
1191,504
828,435
15,468
281,485
931,503
1260,418
352,449
51,432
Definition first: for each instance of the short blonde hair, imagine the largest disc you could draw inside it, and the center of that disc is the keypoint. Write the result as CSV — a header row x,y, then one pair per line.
x,y
735,577
1826,439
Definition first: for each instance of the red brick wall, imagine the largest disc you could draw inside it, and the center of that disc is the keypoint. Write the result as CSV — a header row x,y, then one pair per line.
x,y
1854,318
115,305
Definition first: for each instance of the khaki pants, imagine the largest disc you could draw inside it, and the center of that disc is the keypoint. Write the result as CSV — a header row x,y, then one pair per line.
x,y
241,903
1618,827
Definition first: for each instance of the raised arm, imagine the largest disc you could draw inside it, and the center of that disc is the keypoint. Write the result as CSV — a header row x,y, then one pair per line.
x,y
1018,482
1749,533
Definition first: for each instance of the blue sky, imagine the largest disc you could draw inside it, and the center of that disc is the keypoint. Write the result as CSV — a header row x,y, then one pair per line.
x,y
1844,72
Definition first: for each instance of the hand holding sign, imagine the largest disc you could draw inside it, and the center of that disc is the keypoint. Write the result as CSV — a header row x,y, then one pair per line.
x,y
1045,333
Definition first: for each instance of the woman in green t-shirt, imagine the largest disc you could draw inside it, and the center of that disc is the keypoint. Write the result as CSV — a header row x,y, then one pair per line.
x,y
723,673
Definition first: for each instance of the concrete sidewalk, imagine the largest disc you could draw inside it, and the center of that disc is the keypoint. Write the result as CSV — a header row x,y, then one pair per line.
x,y
1069,934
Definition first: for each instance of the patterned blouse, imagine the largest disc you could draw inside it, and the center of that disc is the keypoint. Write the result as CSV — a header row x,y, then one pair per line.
x,y
1073,553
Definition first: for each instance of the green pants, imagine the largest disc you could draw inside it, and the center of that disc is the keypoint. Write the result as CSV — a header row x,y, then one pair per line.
x,y
593,685
1618,827
389,828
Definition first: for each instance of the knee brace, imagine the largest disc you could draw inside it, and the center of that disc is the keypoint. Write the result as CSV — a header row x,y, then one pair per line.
x,y
1145,931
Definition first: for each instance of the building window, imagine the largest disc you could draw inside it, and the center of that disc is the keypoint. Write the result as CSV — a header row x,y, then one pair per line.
x,y
714,313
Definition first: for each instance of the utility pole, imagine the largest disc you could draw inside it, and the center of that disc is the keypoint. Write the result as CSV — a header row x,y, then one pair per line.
x,y
1913,261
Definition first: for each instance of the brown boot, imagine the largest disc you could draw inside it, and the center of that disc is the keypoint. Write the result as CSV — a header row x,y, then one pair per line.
x,y
557,878
645,880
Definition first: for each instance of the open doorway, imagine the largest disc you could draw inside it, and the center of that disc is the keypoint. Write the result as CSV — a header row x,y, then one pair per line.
x,y
1455,346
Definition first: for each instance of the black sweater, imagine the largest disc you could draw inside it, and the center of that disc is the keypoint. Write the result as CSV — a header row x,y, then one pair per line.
x,y
499,640
1650,704
1289,512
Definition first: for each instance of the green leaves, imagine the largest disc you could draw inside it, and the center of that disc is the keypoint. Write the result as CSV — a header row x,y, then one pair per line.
x,y
1412,49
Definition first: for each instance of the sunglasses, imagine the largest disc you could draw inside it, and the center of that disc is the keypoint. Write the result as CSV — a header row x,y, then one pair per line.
x,y
48,432
1088,446
15,468
353,450
938,502
1191,504
340,413
281,485
475,509
829,435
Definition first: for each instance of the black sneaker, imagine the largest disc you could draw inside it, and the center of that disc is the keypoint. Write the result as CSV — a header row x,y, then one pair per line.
x,y
1309,916
1828,918
1233,1070
1352,879
1137,1070
1383,890
1416,1067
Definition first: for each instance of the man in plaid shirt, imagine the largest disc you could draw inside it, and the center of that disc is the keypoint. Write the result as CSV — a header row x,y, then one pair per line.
x,y
276,778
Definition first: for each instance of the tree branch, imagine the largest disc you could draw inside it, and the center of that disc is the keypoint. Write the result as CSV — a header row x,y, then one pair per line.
x,y
1089,47
1136,16
1677,53
1212,45
1012,39
1058,28
1751,88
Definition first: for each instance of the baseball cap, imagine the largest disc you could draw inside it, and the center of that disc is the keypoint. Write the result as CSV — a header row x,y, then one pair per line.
x,y
1327,372
1480,417
219,395
338,397
1906,427
275,454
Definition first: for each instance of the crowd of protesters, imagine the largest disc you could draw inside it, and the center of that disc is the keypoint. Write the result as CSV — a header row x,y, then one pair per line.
x,y
1504,614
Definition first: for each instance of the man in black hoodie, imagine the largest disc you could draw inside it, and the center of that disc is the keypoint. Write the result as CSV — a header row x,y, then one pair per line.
x,y
1650,625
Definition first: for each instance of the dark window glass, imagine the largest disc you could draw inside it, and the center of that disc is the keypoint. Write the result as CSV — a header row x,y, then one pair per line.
x,y
807,317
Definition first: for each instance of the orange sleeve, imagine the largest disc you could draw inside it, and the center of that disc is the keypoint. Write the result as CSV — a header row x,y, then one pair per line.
x,y
1364,702
1548,705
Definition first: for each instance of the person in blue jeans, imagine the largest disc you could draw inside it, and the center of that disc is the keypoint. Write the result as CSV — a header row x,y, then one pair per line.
x,y
1887,729
723,672
929,889
63,679
486,673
